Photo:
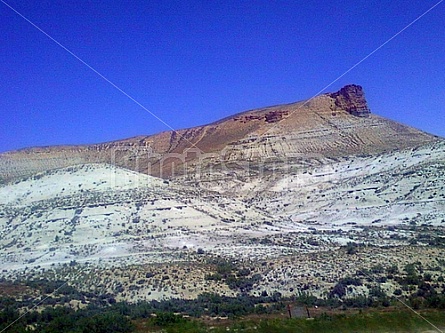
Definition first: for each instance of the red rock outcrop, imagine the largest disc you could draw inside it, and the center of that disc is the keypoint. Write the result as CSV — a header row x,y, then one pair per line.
x,y
274,116
351,98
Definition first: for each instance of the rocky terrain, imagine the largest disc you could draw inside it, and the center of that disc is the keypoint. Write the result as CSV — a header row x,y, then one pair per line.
x,y
291,197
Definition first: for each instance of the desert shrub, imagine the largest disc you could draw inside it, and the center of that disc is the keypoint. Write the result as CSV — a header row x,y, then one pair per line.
x,y
167,318
351,281
398,292
339,290
351,248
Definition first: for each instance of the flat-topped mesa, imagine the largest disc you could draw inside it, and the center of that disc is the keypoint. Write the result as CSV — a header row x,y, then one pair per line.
x,y
351,98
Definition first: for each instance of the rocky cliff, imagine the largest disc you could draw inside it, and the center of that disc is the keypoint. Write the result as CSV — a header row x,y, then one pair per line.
x,y
351,98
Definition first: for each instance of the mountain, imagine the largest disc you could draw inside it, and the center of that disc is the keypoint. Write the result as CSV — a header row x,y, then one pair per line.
x,y
280,190
329,126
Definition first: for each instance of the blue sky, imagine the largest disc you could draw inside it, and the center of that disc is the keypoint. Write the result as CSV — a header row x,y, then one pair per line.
x,y
193,62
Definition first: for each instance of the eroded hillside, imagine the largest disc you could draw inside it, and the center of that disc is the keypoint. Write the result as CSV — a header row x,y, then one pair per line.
x,y
331,125
288,198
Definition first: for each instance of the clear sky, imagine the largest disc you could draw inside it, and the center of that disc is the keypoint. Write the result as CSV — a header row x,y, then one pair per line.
x,y
193,62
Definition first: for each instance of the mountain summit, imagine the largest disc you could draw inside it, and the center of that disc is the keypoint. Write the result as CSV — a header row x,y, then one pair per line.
x,y
351,98
332,125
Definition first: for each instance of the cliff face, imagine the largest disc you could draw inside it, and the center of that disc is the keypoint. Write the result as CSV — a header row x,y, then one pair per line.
x,y
335,125
351,98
